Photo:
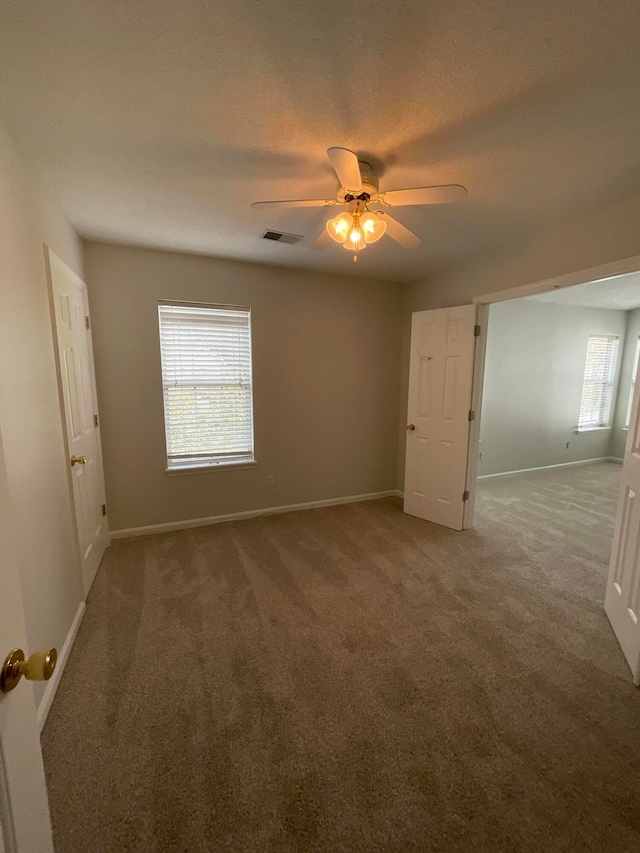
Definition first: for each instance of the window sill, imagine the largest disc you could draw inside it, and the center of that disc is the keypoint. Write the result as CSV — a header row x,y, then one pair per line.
x,y
208,467
593,429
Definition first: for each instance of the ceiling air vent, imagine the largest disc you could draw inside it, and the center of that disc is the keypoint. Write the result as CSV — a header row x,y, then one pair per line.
x,y
281,237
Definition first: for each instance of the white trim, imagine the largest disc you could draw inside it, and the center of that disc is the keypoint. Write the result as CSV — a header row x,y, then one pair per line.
x,y
546,467
618,459
399,493
221,305
205,469
54,682
585,276
477,390
127,532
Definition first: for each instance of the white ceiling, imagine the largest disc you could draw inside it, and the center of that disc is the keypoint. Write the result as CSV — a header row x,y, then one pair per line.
x,y
621,293
159,123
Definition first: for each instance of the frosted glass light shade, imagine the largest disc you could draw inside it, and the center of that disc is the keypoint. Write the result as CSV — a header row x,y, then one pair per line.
x,y
372,227
339,227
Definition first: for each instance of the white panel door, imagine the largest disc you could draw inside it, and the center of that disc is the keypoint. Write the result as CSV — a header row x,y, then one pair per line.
x,y
70,309
440,379
24,811
622,600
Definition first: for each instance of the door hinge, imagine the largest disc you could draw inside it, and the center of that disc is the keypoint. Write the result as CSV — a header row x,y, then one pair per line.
x,y
476,331
465,496
104,509
95,420
472,415
86,322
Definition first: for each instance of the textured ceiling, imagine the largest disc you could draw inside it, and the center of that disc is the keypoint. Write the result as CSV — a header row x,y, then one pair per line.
x,y
159,123
621,293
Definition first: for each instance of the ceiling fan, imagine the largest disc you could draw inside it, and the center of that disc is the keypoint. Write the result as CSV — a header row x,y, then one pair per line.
x,y
362,223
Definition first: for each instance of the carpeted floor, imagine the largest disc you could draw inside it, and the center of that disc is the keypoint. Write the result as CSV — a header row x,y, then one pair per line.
x,y
354,679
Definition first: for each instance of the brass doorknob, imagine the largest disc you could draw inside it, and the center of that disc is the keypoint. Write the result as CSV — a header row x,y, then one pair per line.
x,y
78,460
39,667
411,427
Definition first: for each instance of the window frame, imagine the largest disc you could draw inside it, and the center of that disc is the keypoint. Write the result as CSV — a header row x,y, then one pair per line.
x,y
610,383
205,462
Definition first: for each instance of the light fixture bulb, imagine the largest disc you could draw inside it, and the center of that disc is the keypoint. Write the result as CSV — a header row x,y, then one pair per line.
x,y
355,242
373,228
338,228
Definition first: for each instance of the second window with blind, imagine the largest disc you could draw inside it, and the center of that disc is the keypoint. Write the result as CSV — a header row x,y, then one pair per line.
x,y
207,385
598,382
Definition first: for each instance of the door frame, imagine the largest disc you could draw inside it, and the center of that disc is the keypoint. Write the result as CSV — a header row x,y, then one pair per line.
x,y
484,303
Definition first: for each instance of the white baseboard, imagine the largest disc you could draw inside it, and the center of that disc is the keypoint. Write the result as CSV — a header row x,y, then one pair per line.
x,y
52,685
127,532
399,493
546,467
617,459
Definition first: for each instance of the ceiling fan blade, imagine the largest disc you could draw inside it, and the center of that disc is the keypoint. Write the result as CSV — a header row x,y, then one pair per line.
x,y
296,202
322,240
447,194
347,169
398,232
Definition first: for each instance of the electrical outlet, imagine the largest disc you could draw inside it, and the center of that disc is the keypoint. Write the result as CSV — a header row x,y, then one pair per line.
x,y
567,445
481,457
271,481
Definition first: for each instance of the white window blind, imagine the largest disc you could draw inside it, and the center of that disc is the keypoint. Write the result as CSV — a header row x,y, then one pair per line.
x,y
633,384
597,386
206,377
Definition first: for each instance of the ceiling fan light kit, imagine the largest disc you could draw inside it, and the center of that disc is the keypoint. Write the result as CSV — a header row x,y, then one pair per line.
x,y
360,225
357,228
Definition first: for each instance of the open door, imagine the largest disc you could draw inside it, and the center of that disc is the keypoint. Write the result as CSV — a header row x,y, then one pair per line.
x,y
440,382
622,600
78,399
24,810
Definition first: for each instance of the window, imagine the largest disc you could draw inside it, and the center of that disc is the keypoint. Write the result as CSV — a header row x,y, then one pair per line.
x,y
597,386
627,420
206,380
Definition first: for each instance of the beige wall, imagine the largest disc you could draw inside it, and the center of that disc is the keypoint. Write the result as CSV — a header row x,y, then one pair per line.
x,y
326,353
598,237
30,421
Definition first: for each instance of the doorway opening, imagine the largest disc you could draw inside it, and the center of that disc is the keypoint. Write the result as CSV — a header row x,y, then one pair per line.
x,y
554,442
558,380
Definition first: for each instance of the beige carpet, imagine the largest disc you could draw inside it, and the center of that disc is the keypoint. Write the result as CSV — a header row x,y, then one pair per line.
x,y
354,679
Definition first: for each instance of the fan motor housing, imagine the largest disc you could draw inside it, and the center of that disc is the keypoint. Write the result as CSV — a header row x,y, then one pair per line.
x,y
369,182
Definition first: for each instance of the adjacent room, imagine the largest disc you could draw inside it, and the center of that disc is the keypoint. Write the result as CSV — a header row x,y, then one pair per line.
x,y
319,426
559,379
